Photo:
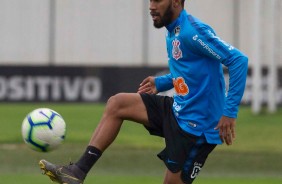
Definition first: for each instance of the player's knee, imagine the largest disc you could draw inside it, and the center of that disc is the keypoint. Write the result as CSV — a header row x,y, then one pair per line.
x,y
114,104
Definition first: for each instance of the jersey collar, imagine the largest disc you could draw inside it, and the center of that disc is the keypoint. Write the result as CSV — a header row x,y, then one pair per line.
x,y
177,21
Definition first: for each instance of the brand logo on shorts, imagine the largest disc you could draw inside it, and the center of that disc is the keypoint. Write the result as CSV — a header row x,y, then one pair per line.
x,y
171,161
197,168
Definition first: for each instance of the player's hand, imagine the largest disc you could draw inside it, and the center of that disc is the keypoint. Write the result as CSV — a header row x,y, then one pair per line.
x,y
148,86
226,128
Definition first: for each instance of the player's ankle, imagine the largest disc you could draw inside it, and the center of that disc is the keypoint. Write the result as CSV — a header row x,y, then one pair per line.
x,y
78,172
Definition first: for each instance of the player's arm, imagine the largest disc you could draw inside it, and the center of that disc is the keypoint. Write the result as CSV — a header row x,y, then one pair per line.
x,y
153,85
237,64
207,43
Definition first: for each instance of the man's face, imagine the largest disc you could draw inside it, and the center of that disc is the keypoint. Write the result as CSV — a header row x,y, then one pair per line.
x,y
161,12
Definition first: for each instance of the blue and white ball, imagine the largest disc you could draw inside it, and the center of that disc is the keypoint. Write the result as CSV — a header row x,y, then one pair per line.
x,y
43,129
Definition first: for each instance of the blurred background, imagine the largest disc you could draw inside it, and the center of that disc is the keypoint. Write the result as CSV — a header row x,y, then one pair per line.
x,y
70,53
76,44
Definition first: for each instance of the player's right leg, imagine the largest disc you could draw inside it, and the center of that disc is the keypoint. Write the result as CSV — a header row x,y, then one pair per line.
x,y
120,107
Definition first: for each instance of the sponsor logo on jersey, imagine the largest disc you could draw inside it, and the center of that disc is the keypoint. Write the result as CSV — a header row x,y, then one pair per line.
x,y
230,47
176,51
180,86
206,46
177,108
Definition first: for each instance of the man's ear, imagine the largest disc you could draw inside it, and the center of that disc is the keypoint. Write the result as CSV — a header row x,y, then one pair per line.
x,y
176,3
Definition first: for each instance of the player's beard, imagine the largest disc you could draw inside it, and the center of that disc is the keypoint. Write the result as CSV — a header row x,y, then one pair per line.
x,y
166,19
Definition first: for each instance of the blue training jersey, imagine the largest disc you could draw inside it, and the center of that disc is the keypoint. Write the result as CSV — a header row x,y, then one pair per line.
x,y
195,58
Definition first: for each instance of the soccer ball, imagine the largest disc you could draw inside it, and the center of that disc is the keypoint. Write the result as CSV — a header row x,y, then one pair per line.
x,y
43,129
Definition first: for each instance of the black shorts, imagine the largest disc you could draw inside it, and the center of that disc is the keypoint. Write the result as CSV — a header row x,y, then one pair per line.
x,y
183,152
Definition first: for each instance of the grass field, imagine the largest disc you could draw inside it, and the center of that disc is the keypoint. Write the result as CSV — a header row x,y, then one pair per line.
x,y
255,157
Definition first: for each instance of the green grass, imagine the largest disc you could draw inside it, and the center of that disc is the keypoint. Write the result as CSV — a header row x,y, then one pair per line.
x,y
253,159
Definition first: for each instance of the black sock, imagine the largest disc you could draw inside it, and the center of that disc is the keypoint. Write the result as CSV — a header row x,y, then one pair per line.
x,y
88,159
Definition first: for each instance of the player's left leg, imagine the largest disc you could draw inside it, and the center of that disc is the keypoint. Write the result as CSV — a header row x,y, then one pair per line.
x,y
196,160
172,178
184,155
193,164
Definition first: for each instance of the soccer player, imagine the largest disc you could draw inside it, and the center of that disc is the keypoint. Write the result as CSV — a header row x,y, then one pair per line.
x,y
199,116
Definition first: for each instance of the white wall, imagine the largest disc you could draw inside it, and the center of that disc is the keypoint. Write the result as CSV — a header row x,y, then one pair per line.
x,y
120,32
24,31
100,32
247,27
